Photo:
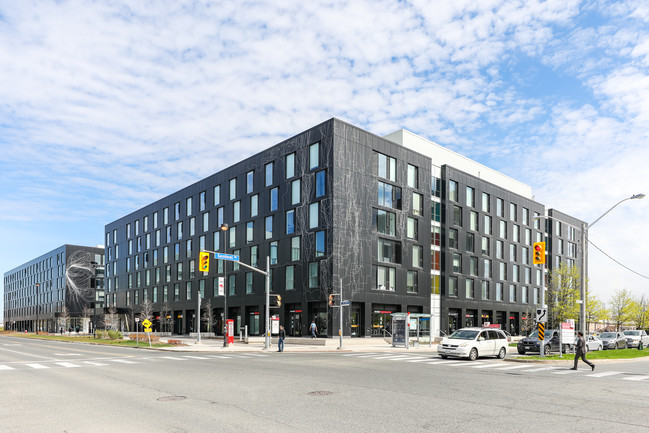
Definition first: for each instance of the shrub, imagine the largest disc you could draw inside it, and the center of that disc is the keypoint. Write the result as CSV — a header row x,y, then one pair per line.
x,y
114,335
101,335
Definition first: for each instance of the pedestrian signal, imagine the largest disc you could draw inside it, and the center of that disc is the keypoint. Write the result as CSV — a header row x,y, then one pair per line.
x,y
331,300
204,262
538,251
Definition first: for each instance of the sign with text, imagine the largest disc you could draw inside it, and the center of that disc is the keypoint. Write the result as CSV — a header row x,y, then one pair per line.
x,y
221,256
221,286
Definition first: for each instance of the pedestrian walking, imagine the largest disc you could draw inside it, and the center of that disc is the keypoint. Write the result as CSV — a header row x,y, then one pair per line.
x,y
581,351
313,329
280,341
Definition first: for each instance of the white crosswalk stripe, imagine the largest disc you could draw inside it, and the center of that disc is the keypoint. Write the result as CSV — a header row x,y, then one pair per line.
x,y
515,367
124,361
492,365
37,366
67,364
98,364
569,371
175,358
604,374
636,378
5,367
196,357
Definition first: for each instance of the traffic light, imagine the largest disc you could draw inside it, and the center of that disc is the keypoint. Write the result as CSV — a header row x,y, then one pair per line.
x,y
275,301
538,251
204,262
331,300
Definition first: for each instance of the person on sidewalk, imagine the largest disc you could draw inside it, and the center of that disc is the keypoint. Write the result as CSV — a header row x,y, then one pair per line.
x,y
280,340
313,328
581,351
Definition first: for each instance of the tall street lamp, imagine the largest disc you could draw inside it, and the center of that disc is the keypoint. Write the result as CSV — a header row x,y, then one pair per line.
x,y
224,228
584,254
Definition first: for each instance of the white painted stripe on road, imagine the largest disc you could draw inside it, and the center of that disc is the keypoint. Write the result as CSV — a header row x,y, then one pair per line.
x,y
37,366
604,374
123,361
491,365
515,367
66,364
360,354
451,363
94,363
196,357
260,355
541,369
5,367
385,356
175,358
67,354
220,356
569,371
636,378
420,360
400,358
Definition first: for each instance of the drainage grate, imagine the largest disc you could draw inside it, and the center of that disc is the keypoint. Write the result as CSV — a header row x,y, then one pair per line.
x,y
319,393
172,398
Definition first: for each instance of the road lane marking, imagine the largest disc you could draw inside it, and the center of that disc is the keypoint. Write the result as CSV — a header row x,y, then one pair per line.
x,y
514,367
540,369
124,361
361,355
219,356
175,358
94,363
37,366
491,365
5,367
400,358
28,354
604,374
420,360
636,378
67,364
569,371
67,354
196,357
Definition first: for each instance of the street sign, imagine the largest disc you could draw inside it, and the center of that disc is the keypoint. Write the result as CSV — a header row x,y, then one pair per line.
x,y
345,303
221,286
541,315
221,256
147,323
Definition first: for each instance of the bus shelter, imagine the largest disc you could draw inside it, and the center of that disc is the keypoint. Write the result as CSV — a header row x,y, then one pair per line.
x,y
411,328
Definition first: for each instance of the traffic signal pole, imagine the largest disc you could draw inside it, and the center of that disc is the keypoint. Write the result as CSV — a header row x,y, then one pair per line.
x,y
341,314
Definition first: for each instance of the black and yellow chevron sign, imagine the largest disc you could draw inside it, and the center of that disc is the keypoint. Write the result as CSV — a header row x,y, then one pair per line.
x,y
541,331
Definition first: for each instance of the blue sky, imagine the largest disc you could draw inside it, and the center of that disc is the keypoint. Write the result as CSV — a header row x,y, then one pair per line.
x,y
552,93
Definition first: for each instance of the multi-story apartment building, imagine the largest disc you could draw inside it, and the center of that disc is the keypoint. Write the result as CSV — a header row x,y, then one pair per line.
x,y
36,292
333,205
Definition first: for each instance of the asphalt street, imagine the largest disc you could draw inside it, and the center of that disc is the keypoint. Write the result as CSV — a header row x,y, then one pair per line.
x,y
50,386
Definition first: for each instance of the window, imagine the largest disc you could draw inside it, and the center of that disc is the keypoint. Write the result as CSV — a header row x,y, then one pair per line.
x,y
295,248
273,253
250,184
179,229
452,238
452,190
486,271
516,273
201,201
177,211
457,215
469,289
434,284
411,229
485,290
236,211
190,206
512,252
290,165
473,221
290,277
503,270
314,156
274,199
417,256
537,299
254,205
385,278
231,284
436,211
389,195
470,196
486,206
165,254
417,203
290,221
473,266
217,195
320,183
386,222
388,251
206,221
436,186
411,282
250,231
387,167
269,174
502,229
470,242
233,188
500,207
413,178
457,263
188,290
313,275
512,211
526,216
320,245
189,248
295,191
486,242
499,292
179,271
177,251
128,230
232,236
192,226
452,286
436,235
537,221
219,217
268,227
249,280
512,293
524,295
165,216
516,233
217,238
500,250
314,215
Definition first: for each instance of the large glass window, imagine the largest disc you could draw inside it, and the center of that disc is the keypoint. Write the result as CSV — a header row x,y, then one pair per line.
x,y
190,207
499,292
295,191
290,221
177,211
268,227
452,286
386,222
413,179
254,205
249,280
486,205
417,256
320,244
473,266
250,184
486,243
269,174
436,186
411,228
485,290
470,242
274,199
250,231
385,278
217,195
295,248
290,165
436,211
388,251
290,277
411,282
314,155
320,183
470,196
206,221
457,263
452,190
512,211
236,211
314,215
417,203
469,289
233,188
452,238
192,226
201,201
314,275
457,215
387,167
389,195
512,293
273,253
254,255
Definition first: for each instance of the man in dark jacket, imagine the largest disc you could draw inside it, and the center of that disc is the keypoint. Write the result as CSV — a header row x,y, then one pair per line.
x,y
581,351
280,340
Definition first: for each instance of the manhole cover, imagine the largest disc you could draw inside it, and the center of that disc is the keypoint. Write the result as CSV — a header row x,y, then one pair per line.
x,y
320,393
172,398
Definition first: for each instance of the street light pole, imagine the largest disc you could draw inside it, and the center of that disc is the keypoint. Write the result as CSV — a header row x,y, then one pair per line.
x,y
542,265
584,255
224,228
37,305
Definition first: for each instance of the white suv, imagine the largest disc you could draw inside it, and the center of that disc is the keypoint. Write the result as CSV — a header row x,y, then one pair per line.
x,y
637,338
473,342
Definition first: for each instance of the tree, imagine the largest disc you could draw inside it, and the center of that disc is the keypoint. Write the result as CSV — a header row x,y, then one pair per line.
x,y
595,309
146,311
528,322
208,316
165,318
563,293
620,307
640,312
65,316
111,320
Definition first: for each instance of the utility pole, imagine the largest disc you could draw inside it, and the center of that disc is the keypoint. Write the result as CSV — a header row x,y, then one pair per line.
x,y
341,314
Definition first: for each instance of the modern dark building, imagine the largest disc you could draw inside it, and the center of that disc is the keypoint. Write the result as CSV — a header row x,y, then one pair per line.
x,y
38,293
334,206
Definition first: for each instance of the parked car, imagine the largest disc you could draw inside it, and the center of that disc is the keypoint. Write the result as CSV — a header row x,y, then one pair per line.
x,y
473,342
594,343
637,338
613,340
551,343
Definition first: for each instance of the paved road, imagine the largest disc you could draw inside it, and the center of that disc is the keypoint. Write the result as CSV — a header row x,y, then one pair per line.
x,y
56,387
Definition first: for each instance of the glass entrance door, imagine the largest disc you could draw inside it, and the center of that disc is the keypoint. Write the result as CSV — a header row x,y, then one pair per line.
x,y
295,323
355,321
